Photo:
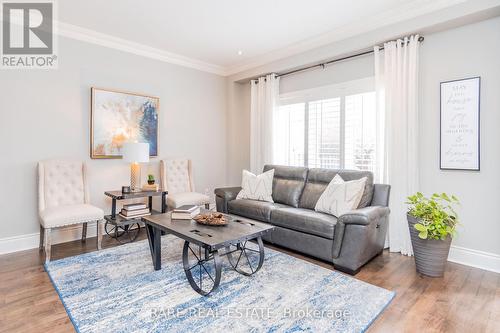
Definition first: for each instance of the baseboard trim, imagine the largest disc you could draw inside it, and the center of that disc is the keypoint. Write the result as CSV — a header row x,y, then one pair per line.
x,y
475,258
31,241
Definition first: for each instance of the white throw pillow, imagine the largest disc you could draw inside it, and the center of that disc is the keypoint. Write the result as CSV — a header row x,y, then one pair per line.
x,y
257,187
340,196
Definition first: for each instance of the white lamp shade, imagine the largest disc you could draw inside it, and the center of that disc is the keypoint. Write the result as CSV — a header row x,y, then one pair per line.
x,y
135,152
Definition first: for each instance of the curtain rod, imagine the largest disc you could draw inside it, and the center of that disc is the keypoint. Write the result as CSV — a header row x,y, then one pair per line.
x,y
323,64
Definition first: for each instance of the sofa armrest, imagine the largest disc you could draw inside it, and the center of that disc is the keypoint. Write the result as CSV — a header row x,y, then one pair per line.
x,y
227,193
359,236
224,195
364,216
381,193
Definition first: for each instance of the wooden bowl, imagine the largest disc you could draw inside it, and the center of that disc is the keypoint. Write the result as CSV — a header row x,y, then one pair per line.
x,y
214,219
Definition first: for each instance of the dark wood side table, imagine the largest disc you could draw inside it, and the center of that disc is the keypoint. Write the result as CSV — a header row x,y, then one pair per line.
x,y
116,226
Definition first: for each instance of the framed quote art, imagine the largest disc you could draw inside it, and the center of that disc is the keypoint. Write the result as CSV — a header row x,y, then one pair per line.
x,y
460,130
118,117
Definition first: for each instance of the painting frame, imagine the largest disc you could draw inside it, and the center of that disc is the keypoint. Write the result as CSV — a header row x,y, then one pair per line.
x,y
477,125
93,91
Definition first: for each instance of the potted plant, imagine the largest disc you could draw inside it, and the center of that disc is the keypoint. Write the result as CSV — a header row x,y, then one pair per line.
x,y
432,222
151,179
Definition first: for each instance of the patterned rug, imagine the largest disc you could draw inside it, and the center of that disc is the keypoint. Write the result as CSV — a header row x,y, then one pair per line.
x,y
117,290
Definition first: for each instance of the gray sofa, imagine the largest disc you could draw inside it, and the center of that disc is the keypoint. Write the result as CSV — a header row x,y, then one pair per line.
x,y
349,241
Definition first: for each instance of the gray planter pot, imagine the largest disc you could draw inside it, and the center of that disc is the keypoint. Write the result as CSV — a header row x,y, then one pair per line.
x,y
430,254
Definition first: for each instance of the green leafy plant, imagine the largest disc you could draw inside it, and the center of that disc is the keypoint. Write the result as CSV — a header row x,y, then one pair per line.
x,y
437,217
151,177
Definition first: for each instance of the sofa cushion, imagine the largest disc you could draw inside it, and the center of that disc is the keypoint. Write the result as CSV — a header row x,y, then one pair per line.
x,y
318,180
253,209
288,183
256,187
305,220
341,197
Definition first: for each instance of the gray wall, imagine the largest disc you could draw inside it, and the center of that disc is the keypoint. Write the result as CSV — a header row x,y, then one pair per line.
x,y
469,50
238,131
472,50
45,114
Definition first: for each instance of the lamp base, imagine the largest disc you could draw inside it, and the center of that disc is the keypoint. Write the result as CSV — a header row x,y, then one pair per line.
x,y
135,177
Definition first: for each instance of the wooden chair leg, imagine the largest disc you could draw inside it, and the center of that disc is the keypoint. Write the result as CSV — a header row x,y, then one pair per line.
x,y
47,245
84,232
42,234
99,235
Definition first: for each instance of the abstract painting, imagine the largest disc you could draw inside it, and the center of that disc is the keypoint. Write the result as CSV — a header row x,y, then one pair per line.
x,y
119,117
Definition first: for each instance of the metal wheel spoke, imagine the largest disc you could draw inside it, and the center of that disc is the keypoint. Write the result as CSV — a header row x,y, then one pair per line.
x,y
208,273
201,283
201,279
193,253
238,261
248,260
193,266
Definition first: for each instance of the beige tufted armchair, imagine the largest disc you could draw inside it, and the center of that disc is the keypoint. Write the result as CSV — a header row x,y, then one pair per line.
x,y
176,177
63,199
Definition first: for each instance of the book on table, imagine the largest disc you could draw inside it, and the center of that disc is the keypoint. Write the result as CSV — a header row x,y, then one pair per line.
x,y
186,212
133,216
136,212
134,206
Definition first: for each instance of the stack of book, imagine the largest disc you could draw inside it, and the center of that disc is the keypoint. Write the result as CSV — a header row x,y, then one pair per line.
x,y
134,210
186,212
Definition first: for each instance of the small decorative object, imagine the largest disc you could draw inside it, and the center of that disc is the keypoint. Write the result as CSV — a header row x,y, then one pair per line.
x,y
126,189
151,179
147,187
119,117
432,222
215,219
460,148
135,153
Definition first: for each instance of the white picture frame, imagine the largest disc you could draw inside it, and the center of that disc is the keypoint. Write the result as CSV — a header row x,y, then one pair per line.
x,y
460,124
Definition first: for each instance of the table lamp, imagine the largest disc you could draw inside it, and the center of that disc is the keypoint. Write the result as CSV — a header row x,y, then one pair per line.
x,y
135,153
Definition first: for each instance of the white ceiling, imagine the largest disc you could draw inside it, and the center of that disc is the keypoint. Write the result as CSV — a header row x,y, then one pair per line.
x,y
210,33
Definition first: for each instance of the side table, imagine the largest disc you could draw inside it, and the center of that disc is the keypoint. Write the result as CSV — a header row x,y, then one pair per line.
x,y
117,226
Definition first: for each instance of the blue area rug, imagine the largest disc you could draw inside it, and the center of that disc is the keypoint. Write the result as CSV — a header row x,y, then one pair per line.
x,y
117,290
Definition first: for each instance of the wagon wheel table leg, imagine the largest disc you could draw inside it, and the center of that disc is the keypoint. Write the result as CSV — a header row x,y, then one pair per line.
x,y
202,268
246,257
112,230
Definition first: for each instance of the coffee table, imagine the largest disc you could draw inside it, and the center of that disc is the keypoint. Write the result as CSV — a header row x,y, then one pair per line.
x,y
240,241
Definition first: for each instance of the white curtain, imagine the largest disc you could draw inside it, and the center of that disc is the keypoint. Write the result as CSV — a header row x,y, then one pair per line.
x,y
264,99
396,79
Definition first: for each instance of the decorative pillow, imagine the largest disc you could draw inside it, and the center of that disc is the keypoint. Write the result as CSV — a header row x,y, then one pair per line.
x,y
257,187
340,196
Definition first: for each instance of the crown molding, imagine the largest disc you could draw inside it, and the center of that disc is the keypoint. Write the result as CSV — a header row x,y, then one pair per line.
x,y
101,39
406,11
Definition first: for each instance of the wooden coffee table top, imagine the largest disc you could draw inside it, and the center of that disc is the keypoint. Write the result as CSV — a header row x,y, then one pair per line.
x,y
238,229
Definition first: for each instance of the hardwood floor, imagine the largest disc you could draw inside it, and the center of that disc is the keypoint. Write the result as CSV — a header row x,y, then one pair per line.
x,y
465,300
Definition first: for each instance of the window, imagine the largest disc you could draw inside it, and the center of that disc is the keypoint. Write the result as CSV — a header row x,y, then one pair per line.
x,y
330,127
360,131
289,134
324,134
